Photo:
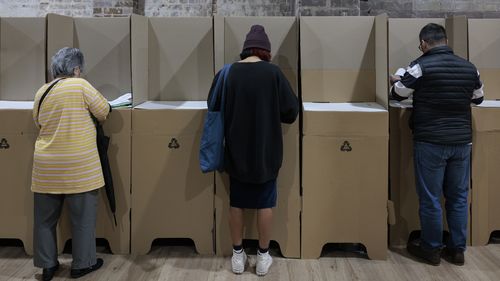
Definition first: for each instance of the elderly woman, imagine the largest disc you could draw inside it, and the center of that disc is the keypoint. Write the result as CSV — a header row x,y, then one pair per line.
x,y
258,99
66,164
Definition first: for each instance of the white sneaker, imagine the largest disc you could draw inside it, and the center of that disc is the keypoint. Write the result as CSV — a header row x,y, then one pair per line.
x,y
264,262
238,261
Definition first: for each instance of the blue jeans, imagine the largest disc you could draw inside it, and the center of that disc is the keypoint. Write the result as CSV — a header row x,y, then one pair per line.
x,y
442,169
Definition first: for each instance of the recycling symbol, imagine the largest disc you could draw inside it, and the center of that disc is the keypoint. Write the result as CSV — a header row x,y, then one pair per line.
x,y
346,146
4,144
174,144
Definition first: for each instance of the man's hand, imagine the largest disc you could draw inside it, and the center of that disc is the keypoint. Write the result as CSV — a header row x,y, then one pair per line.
x,y
394,78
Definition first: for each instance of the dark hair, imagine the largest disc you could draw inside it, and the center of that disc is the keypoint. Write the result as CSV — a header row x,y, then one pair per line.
x,y
260,53
432,33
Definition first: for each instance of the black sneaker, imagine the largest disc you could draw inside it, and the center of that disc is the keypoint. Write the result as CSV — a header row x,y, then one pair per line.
x,y
454,256
48,273
77,273
432,257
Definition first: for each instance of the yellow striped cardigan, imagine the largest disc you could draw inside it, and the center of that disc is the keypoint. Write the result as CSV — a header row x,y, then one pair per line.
x,y
66,159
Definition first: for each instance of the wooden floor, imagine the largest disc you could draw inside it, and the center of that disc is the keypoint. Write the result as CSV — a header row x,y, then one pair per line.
x,y
182,263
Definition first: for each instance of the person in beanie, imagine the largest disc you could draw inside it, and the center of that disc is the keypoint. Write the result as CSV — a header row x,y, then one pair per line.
x,y
443,87
258,99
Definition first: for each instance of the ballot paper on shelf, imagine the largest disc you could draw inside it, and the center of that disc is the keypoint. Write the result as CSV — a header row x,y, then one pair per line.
x,y
407,103
122,101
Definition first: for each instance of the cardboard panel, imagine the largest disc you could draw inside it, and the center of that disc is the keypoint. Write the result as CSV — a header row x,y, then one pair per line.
x,y
139,56
484,43
485,176
345,123
456,30
338,59
218,42
105,43
180,58
286,230
118,128
485,191
60,33
402,178
485,119
17,141
282,32
403,40
338,205
403,48
381,52
22,57
171,198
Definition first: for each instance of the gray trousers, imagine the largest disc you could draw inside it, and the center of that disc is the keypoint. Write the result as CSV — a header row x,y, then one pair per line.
x,y
83,212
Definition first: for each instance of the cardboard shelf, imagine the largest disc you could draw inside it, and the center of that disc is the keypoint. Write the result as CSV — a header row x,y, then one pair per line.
x,y
344,107
173,105
16,104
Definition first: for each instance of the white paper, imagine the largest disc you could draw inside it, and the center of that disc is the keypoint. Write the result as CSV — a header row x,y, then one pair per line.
x,y
177,105
16,104
123,100
347,107
407,103
400,72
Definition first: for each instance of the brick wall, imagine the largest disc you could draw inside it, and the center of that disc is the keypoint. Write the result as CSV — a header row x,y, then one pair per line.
x,y
256,7
77,8
329,8
432,8
395,8
155,8
112,8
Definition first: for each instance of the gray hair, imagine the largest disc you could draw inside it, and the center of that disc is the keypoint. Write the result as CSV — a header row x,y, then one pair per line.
x,y
65,61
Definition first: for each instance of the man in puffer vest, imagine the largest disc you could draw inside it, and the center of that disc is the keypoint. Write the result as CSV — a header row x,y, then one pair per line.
x,y
443,87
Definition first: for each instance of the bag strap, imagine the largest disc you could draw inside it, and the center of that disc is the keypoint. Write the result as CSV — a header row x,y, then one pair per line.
x,y
223,92
44,95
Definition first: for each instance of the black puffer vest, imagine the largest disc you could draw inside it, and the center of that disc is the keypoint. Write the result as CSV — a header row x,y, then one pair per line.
x,y
441,102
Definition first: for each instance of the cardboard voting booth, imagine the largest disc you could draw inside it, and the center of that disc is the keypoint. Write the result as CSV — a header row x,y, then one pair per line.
x,y
403,49
22,73
403,43
345,133
484,43
106,46
283,34
172,70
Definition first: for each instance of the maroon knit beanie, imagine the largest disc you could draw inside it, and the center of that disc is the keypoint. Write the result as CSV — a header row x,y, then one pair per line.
x,y
257,38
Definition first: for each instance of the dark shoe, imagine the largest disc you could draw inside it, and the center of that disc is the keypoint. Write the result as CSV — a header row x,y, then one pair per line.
x,y
77,273
48,273
454,256
432,257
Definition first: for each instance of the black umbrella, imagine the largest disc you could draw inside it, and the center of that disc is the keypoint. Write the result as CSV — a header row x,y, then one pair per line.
x,y
102,148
